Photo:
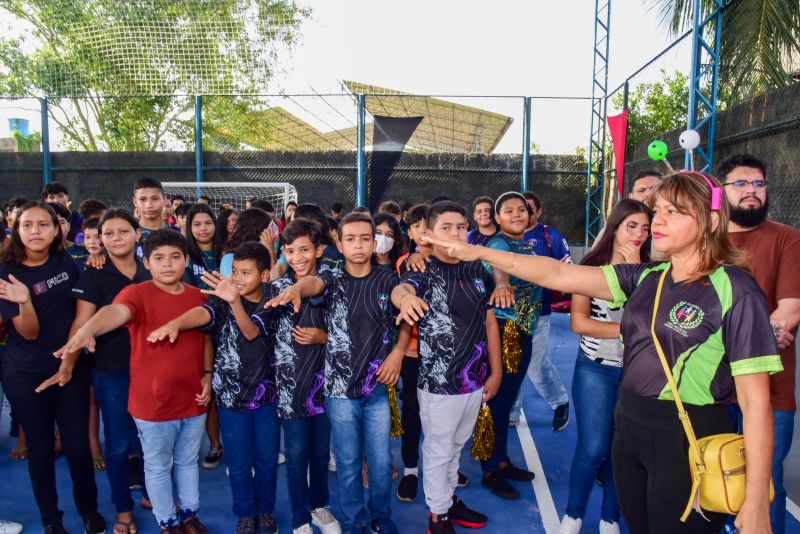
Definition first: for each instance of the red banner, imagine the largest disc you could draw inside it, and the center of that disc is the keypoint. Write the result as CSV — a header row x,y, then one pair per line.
x,y
618,128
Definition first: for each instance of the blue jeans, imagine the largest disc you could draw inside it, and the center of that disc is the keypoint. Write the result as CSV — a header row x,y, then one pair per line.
x,y
541,370
307,442
500,405
252,440
595,390
783,425
119,431
166,444
361,427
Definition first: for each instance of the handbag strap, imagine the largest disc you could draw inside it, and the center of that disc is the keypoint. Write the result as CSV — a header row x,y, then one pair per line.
x,y
697,466
682,415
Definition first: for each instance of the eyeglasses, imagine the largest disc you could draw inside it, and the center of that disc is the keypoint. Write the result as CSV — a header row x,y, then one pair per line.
x,y
634,228
741,185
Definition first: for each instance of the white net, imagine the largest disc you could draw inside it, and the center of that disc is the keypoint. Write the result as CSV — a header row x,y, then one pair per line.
x,y
235,193
156,47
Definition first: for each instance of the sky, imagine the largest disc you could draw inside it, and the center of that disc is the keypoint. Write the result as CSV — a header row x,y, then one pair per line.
x,y
448,47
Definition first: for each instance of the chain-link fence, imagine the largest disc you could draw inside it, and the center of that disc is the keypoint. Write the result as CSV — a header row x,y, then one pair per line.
x,y
415,147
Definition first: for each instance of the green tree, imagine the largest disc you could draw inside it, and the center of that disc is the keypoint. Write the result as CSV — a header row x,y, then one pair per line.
x,y
656,108
78,52
760,41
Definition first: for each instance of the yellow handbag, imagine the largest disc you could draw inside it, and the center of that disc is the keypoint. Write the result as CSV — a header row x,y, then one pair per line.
x,y
717,462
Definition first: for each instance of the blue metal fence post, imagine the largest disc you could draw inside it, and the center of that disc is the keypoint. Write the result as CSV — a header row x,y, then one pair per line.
x,y
361,179
703,85
198,138
526,142
47,169
595,168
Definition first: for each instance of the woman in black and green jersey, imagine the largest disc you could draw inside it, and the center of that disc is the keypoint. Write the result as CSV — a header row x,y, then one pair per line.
x,y
713,324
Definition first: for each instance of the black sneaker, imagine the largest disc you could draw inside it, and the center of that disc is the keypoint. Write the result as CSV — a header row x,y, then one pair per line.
x,y
266,524
517,474
407,490
498,485
246,525
443,525
135,481
561,416
55,528
94,523
214,456
383,526
463,480
465,517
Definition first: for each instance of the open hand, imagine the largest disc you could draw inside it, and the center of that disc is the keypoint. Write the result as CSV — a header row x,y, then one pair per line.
x,y
221,287
412,308
417,262
14,290
96,261
502,297
290,295
454,248
80,340
62,378
169,330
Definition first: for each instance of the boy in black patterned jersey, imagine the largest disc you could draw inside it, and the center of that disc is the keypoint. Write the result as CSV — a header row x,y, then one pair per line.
x,y
299,340
359,362
459,343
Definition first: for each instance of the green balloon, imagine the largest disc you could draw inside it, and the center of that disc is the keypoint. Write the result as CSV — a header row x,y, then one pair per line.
x,y
657,150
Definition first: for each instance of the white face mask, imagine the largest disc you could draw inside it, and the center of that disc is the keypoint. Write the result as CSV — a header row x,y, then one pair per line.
x,y
385,244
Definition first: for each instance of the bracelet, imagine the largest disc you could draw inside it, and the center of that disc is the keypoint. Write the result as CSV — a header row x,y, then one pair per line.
x,y
514,263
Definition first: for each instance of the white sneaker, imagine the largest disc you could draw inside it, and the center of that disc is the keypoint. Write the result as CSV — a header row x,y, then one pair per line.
x,y
324,520
304,529
281,458
9,527
570,525
608,528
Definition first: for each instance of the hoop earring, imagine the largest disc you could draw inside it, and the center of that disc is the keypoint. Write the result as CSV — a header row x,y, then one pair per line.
x,y
704,244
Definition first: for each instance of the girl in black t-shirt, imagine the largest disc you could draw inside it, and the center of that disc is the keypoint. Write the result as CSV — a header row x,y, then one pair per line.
x,y
36,281
598,369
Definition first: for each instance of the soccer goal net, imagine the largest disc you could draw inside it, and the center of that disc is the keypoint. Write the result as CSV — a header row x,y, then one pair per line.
x,y
234,193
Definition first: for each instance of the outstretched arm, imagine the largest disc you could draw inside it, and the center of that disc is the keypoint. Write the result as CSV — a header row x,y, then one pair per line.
x,y
194,318
107,319
310,286
540,270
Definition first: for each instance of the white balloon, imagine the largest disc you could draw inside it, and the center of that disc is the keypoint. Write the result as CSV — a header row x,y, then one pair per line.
x,y
689,140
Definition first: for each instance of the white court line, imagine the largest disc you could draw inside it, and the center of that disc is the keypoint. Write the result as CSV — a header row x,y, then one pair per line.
x,y
792,508
544,498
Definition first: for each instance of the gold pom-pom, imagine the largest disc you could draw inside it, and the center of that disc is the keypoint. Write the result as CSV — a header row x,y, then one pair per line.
x,y
483,435
394,412
512,347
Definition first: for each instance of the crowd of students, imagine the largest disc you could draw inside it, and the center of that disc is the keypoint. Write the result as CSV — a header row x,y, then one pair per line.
x,y
180,320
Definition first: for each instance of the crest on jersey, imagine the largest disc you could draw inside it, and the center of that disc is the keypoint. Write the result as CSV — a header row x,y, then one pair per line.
x,y
480,286
685,316
383,301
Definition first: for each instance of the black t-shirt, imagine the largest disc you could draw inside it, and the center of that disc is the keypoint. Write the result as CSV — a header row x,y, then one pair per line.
x,y
299,369
244,377
453,355
710,331
146,233
359,316
99,287
50,286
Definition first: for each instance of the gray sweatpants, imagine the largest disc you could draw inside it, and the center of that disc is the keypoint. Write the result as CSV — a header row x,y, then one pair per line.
x,y
447,424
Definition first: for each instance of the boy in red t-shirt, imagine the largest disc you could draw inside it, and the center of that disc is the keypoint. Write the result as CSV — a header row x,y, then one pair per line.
x,y
170,382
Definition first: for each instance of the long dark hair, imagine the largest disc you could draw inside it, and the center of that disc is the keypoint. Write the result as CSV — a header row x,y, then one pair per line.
x,y
603,250
194,249
249,225
222,224
14,252
399,246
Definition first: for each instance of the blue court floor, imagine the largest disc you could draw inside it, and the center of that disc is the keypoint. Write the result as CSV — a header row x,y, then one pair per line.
x,y
532,443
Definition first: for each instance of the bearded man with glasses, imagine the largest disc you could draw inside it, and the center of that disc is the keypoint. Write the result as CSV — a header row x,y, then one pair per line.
x,y
773,250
